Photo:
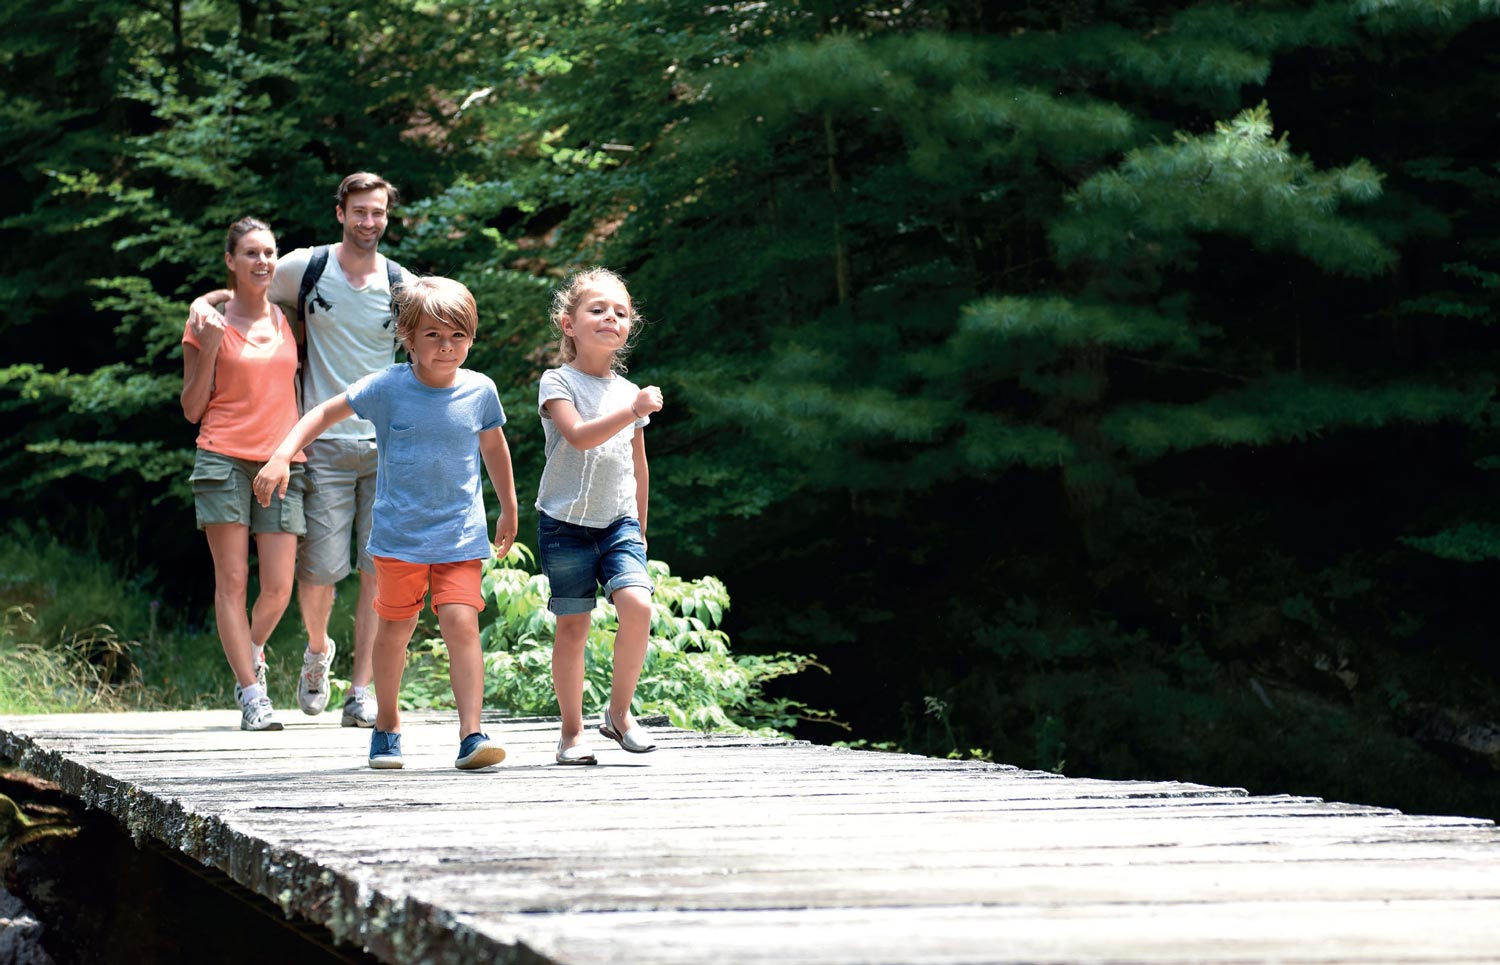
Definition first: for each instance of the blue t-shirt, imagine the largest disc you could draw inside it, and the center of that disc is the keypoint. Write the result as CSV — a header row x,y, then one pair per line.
x,y
429,500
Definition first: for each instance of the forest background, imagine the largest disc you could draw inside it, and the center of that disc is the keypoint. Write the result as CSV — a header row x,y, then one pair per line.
x,y
1096,386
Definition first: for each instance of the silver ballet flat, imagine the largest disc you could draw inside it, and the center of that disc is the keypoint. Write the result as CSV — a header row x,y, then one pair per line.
x,y
577,754
636,740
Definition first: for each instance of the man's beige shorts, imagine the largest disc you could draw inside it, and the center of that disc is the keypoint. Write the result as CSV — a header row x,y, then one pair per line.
x,y
340,504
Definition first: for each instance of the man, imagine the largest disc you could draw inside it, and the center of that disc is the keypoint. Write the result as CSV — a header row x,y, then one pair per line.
x,y
348,335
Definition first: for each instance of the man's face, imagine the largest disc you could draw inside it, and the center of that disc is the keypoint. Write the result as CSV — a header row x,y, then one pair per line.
x,y
363,217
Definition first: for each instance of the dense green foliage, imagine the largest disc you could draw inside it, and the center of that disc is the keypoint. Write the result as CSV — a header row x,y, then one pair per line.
x,y
57,653
1101,385
690,676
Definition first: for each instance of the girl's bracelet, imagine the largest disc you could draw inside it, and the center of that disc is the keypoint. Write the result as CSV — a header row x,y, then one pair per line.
x,y
633,412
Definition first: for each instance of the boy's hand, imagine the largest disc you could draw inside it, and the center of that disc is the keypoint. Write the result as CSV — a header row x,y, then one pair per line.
x,y
273,478
647,401
505,534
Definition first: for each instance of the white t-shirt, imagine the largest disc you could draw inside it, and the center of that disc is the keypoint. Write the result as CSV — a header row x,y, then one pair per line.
x,y
596,486
347,340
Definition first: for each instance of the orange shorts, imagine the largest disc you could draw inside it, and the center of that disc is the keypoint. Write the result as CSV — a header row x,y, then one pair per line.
x,y
401,586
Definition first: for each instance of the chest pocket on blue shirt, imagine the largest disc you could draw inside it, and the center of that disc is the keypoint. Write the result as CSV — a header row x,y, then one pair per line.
x,y
402,444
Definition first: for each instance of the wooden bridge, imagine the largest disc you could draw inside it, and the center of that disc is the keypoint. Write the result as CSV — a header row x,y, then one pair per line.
x,y
721,849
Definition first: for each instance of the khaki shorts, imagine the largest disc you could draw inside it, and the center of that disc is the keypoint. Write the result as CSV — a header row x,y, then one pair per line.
x,y
222,494
340,504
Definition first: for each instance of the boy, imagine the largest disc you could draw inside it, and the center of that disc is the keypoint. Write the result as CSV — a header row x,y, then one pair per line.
x,y
435,421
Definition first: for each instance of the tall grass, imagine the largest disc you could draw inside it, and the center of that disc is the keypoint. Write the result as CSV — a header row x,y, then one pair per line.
x,y
77,636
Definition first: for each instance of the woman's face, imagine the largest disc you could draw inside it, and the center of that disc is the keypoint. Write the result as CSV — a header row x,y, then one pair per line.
x,y
252,261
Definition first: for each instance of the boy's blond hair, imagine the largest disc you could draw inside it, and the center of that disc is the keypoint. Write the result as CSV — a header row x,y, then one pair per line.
x,y
441,299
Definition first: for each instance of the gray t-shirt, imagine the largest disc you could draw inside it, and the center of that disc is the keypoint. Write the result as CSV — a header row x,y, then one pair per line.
x,y
594,487
345,341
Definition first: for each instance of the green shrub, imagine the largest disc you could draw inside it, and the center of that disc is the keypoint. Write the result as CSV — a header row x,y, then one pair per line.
x,y
690,674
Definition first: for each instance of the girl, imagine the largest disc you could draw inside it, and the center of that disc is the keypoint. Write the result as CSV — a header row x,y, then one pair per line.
x,y
592,502
237,385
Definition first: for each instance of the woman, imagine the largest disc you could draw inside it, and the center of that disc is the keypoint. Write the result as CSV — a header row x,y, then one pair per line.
x,y
238,373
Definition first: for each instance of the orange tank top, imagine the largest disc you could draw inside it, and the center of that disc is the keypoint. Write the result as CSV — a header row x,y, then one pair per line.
x,y
252,405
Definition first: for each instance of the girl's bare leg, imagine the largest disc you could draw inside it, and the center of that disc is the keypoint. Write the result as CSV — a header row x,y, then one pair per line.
x,y
633,604
567,673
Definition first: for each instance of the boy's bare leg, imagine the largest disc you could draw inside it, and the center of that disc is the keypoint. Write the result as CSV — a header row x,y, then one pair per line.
x,y
459,624
365,623
230,545
567,673
633,604
391,638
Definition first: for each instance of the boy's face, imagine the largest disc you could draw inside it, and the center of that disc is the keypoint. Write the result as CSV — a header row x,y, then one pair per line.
x,y
437,351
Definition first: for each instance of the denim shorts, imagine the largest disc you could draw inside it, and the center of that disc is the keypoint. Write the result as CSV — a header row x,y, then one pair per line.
x,y
339,510
578,560
222,494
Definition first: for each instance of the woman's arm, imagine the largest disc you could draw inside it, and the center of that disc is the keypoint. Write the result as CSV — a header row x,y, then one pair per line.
x,y
198,362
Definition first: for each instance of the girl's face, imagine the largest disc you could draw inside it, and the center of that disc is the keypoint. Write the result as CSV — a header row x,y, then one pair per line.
x,y
252,261
437,351
600,323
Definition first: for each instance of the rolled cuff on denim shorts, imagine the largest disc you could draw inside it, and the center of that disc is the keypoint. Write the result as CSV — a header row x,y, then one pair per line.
x,y
579,560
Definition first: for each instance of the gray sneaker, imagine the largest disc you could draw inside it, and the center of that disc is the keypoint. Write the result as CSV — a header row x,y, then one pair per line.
x,y
312,683
258,715
359,711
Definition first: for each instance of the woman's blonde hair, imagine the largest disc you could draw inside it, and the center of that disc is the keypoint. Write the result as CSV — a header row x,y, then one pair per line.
x,y
565,299
438,298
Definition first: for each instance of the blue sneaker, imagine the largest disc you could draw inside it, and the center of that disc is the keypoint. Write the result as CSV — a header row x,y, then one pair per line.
x,y
476,751
385,750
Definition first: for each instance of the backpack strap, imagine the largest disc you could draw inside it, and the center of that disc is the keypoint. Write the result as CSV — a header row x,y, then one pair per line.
x,y
316,262
393,271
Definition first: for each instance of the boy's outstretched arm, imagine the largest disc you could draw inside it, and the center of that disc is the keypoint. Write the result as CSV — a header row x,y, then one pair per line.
x,y
496,454
273,476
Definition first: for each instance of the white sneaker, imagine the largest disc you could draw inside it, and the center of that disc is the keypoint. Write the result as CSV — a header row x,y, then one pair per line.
x,y
312,683
258,715
359,711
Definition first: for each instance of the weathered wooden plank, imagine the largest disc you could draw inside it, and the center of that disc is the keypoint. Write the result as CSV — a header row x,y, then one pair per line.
x,y
745,850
